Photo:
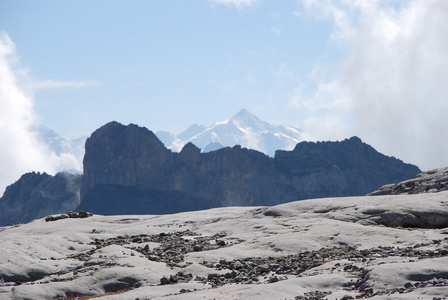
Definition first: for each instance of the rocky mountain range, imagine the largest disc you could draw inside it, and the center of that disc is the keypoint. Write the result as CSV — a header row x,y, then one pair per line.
x,y
244,129
128,170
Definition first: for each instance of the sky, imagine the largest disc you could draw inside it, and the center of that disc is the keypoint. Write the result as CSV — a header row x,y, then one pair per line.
x,y
334,68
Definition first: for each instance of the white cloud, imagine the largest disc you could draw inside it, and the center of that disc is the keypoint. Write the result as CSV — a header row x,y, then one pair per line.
x,y
236,3
393,80
51,84
20,152
327,97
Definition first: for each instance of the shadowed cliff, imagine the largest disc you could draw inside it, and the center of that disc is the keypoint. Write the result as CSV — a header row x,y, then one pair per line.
x,y
126,164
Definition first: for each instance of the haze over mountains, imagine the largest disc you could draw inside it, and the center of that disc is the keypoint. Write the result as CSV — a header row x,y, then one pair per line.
x,y
69,153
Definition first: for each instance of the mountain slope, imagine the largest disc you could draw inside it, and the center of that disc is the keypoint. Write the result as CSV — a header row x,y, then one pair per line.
x,y
432,181
337,248
36,195
243,129
346,168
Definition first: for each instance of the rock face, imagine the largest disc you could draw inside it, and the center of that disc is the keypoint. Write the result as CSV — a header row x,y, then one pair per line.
x,y
36,195
128,170
124,155
427,182
346,168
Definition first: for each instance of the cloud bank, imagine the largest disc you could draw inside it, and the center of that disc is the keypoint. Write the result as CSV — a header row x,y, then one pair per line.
x,y
20,151
391,87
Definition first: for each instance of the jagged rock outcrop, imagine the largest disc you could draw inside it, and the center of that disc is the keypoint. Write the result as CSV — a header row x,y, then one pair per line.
x,y
36,195
128,170
124,155
231,176
346,168
432,181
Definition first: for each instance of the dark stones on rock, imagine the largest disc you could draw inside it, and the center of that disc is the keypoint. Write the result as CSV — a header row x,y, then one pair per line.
x,y
413,219
19,279
164,280
313,295
220,243
173,279
258,270
70,214
253,269
121,284
173,246
197,248
211,276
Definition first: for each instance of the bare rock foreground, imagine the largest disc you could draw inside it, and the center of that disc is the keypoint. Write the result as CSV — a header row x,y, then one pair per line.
x,y
373,247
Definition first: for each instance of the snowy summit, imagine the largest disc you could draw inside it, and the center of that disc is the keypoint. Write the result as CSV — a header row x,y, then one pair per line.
x,y
243,129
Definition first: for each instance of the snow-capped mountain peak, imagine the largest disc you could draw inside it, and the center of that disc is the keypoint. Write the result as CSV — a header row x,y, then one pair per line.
x,y
249,122
244,129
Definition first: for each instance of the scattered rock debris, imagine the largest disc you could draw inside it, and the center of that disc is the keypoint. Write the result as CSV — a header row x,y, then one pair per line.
x,y
70,214
173,246
257,270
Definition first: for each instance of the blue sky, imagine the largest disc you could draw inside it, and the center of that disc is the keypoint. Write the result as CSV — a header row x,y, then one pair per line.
x,y
164,64
335,68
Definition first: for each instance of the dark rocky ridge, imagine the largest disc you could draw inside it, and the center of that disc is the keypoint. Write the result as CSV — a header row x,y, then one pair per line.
x,y
347,168
127,170
432,181
36,195
128,164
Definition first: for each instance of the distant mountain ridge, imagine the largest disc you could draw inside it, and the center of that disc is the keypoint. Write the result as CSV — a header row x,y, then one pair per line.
x,y
128,170
243,129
